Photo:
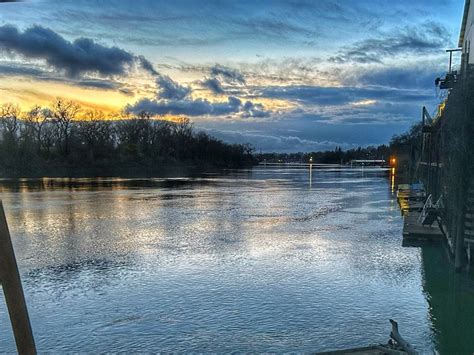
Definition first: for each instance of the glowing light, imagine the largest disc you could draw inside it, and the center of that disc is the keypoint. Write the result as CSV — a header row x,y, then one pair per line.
x,y
392,185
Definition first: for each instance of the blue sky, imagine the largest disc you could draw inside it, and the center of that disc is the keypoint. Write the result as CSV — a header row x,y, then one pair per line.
x,y
281,75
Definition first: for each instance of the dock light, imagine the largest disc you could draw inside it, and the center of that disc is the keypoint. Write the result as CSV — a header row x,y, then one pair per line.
x,y
393,161
310,159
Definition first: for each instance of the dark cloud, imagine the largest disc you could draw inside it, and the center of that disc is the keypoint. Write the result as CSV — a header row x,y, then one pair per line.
x,y
328,96
219,75
426,38
214,85
98,84
171,90
408,77
174,98
12,70
163,107
127,92
306,131
251,109
146,64
227,74
198,107
81,56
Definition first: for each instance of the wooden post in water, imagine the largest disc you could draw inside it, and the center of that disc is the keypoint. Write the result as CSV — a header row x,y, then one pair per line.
x,y
13,291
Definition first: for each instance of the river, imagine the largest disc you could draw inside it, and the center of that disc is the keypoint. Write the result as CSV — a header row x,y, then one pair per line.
x,y
269,259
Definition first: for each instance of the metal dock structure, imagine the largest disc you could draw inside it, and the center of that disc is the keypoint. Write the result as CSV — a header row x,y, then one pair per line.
x,y
420,223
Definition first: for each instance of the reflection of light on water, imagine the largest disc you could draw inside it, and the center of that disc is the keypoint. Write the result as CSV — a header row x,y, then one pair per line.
x,y
261,238
392,180
310,175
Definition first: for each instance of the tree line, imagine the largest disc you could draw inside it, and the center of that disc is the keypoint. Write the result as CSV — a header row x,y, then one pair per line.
x,y
63,138
336,156
404,147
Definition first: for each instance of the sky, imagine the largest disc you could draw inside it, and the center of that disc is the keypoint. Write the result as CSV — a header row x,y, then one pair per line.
x,y
284,76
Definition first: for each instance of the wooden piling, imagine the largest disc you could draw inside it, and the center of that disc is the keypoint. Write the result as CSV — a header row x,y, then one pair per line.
x,y
13,291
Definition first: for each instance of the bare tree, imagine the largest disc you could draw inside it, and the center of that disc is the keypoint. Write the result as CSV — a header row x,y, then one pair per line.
x,y
95,132
65,112
63,140
183,128
9,118
183,131
34,120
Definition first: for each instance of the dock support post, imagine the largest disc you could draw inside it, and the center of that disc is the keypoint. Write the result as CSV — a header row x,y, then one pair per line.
x,y
13,291
459,253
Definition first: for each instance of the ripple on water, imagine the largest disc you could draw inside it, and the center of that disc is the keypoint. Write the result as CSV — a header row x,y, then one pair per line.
x,y
250,262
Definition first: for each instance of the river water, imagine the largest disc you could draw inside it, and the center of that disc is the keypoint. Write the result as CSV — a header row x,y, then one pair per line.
x,y
269,259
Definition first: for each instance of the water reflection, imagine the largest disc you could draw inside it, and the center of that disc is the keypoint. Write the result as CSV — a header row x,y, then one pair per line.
x,y
451,299
392,180
249,261
89,184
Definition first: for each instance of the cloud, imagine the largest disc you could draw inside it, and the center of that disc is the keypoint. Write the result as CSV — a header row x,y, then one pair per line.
x,y
276,142
38,73
272,27
75,58
227,74
21,70
146,64
414,76
174,98
171,90
127,92
331,96
162,107
251,109
198,107
98,84
221,74
308,131
167,88
426,38
214,85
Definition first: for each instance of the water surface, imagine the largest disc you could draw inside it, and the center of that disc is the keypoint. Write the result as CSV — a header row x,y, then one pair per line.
x,y
268,259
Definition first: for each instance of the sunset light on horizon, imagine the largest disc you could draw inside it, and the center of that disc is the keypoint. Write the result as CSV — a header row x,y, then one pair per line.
x,y
297,73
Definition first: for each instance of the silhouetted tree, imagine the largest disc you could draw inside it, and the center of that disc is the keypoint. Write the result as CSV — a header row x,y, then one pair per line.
x,y
64,112
64,136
